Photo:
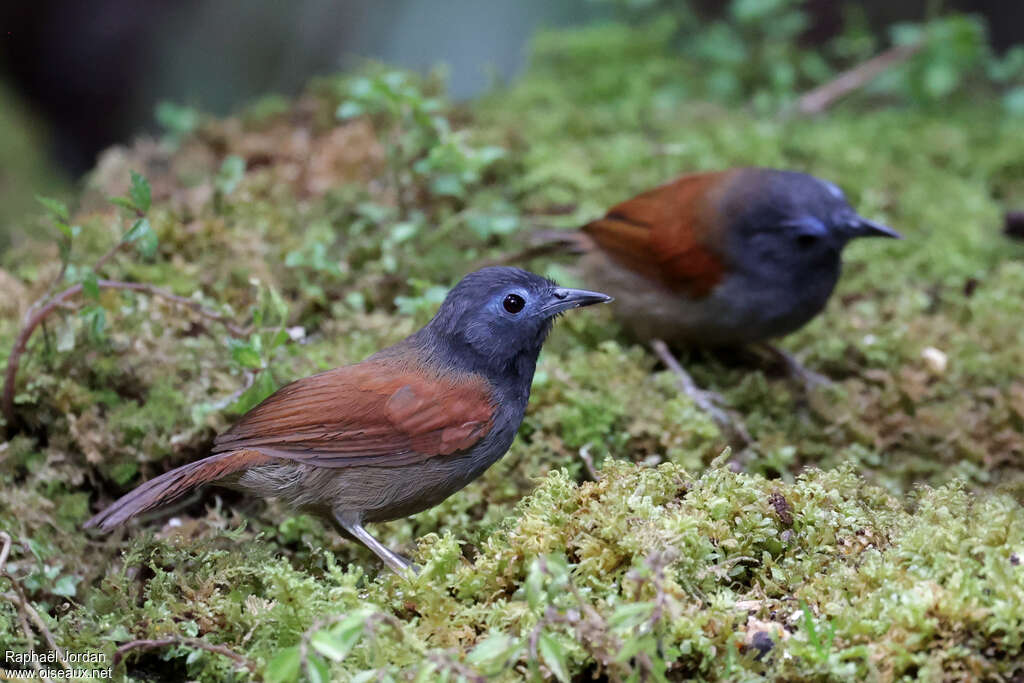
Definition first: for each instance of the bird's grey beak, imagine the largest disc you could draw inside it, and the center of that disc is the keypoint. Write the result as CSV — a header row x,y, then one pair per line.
x,y
562,299
862,227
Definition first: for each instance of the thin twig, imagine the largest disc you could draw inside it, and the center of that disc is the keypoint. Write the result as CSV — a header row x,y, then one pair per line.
x,y
107,256
250,379
30,639
32,323
6,550
18,598
187,642
824,96
588,462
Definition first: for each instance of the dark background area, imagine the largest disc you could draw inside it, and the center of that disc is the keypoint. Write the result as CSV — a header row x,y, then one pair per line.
x,y
92,73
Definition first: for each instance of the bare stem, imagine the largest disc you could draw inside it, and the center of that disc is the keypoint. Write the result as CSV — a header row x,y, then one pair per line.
x,y
107,256
26,612
824,96
187,642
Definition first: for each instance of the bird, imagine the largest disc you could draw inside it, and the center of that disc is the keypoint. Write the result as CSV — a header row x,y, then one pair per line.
x,y
727,258
396,433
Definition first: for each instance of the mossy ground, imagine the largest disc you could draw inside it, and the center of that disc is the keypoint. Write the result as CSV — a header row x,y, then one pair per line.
x,y
877,533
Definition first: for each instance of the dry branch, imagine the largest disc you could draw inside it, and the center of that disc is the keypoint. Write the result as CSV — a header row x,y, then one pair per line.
x,y
187,642
59,300
824,96
26,612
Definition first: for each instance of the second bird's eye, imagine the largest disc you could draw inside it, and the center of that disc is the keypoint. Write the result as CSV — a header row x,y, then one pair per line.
x,y
513,303
806,241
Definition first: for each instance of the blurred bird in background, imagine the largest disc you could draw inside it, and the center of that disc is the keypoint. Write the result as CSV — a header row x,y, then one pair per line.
x,y
720,259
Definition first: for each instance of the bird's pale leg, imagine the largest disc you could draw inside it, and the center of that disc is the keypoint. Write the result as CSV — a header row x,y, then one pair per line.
x,y
353,524
708,401
809,379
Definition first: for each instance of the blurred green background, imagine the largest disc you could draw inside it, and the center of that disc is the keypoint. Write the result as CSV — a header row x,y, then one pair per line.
x,y
76,77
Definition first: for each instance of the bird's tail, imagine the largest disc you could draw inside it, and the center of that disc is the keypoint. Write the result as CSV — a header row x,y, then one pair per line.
x,y
172,485
545,243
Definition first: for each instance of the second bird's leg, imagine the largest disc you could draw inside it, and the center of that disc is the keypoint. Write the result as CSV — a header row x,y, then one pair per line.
x,y
809,379
708,401
352,522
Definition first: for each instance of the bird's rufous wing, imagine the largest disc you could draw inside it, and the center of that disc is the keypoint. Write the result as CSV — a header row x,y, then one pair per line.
x,y
379,412
667,234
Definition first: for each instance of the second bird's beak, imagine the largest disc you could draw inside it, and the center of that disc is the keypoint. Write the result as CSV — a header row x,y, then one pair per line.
x,y
862,227
563,298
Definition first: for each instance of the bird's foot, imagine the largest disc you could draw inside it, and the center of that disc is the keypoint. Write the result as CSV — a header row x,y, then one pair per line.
x,y
411,567
710,402
810,380
352,522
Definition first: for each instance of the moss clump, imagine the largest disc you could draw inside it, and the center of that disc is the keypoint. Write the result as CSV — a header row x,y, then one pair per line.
x,y
845,579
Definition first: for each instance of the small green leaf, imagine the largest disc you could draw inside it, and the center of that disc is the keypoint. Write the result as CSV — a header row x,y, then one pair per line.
x,y
427,673
66,586
356,300
65,229
176,119
148,245
140,192
632,644
263,386
280,337
1013,101
554,656
534,586
631,615
349,110
90,286
317,669
344,635
245,355
118,634
403,231
497,648
231,172
135,232
95,318
65,334
142,233
447,185
123,202
279,304
557,567
55,207
123,472
330,644
284,667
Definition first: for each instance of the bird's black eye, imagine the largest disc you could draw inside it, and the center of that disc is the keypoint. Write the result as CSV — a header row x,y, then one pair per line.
x,y
513,303
806,241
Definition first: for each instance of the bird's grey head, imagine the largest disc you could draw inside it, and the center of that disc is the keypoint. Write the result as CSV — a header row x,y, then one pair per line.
x,y
496,319
794,218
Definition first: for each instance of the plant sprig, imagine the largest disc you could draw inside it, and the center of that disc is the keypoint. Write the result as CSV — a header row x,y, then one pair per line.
x,y
88,282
